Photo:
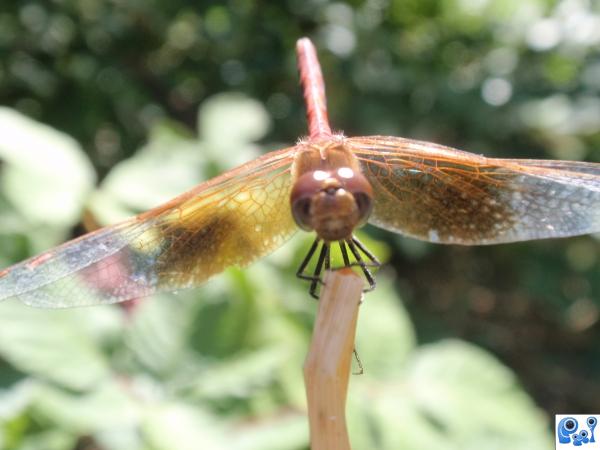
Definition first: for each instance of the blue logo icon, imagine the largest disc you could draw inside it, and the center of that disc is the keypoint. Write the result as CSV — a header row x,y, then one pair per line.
x,y
576,430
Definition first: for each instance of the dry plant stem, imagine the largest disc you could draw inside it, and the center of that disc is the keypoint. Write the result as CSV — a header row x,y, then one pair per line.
x,y
313,87
327,366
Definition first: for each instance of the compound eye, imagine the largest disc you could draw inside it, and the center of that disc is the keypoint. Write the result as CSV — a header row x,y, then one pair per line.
x,y
305,188
301,212
360,188
364,203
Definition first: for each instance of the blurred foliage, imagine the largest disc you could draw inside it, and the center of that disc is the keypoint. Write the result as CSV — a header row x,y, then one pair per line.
x,y
118,85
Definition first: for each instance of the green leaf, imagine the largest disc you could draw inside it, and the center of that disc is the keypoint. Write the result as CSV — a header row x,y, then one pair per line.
x,y
107,406
54,344
157,333
182,427
283,432
15,394
119,437
232,117
385,335
227,123
171,163
48,440
466,388
47,175
453,395
241,376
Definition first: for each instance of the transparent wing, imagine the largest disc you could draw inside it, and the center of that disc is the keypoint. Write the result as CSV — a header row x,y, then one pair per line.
x,y
230,220
443,195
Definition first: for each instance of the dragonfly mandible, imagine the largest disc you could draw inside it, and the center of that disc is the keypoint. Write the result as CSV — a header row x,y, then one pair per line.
x,y
326,183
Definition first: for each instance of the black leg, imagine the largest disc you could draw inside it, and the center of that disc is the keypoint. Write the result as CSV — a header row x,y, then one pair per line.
x,y
300,272
344,251
324,262
323,258
375,262
361,263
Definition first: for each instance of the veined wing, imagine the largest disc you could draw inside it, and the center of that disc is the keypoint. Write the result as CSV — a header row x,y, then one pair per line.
x,y
443,195
230,220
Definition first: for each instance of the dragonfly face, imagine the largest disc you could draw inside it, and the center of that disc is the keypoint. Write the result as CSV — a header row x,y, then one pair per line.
x,y
332,203
330,195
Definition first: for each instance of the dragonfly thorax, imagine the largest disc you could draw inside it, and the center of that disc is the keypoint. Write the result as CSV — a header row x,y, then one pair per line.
x,y
332,203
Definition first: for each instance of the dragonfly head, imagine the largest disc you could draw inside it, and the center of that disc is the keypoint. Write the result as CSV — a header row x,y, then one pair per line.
x,y
333,203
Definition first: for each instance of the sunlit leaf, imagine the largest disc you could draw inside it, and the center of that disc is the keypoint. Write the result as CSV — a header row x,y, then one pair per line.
x,y
118,437
108,405
283,432
181,427
14,396
228,123
47,176
54,439
168,165
241,376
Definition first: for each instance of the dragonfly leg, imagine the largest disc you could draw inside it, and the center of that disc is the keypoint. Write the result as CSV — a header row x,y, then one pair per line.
x,y
324,262
323,259
344,251
300,272
374,261
361,369
356,247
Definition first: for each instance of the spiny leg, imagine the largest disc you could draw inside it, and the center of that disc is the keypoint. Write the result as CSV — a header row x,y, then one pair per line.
x,y
374,261
324,262
300,272
323,257
344,251
362,264
361,369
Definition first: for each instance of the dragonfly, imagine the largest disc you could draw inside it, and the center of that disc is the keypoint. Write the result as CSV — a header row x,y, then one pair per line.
x,y
328,184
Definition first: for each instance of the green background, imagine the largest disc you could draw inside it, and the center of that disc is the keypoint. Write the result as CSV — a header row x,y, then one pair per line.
x,y
110,107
